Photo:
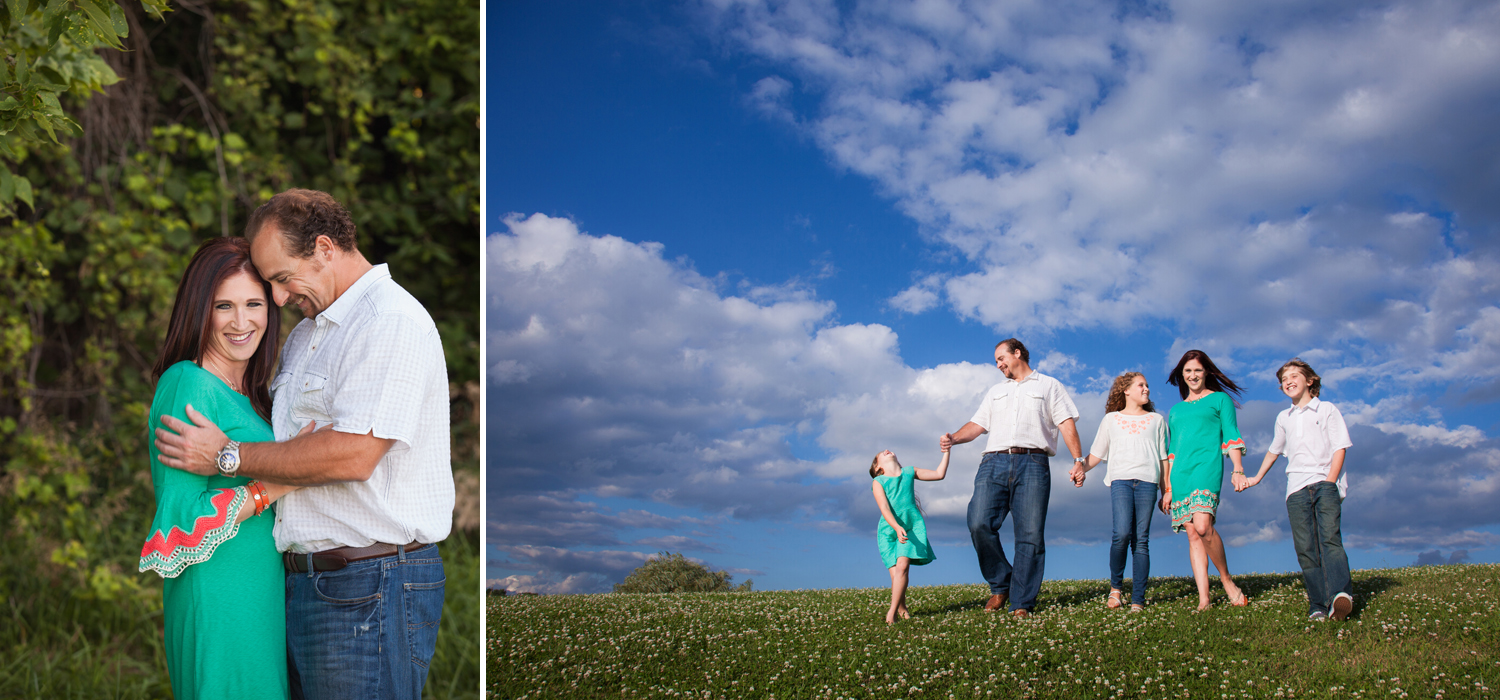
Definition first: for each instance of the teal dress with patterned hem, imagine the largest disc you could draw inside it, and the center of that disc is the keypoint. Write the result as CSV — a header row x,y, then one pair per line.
x,y
903,500
223,597
1202,432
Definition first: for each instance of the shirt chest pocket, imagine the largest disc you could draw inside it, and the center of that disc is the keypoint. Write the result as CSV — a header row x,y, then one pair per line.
x,y
310,397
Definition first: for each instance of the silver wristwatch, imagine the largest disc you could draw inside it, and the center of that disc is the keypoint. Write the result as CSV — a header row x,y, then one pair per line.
x,y
229,459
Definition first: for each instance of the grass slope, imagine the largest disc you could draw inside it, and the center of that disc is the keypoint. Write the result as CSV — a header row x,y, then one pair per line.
x,y
1430,632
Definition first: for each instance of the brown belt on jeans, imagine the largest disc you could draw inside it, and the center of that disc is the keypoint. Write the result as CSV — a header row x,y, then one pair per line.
x,y
335,559
1020,451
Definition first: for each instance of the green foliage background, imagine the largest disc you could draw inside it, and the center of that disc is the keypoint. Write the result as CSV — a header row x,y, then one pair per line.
x,y
208,111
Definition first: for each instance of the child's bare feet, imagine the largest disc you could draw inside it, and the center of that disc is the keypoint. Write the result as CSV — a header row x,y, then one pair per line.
x,y
1203,603
903,612
890,617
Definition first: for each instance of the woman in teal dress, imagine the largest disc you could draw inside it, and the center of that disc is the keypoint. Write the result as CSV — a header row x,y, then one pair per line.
x,y
223,594
1203,429
902,533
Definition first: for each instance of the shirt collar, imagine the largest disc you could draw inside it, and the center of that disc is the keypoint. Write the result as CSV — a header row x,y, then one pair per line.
x,y
1034,375
340,308
1311,405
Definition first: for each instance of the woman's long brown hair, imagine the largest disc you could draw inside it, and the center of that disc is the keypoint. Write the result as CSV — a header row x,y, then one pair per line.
x,y
189,331
1213,379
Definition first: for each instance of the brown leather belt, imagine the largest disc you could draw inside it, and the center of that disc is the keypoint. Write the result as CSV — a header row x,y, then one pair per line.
x,y
1021,451
335,559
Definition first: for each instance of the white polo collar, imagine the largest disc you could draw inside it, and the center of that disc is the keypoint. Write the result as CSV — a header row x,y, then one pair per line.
x,y
340,308
1311,405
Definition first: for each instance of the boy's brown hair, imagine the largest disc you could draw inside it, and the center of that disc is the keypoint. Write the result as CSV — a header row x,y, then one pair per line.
x,y
1314,382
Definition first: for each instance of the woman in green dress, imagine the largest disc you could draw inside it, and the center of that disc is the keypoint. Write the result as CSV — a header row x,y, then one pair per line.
x,y
1203,429
223,594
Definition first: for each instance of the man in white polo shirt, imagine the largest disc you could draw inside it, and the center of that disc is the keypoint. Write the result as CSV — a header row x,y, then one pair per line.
x,y
364,579
1023,415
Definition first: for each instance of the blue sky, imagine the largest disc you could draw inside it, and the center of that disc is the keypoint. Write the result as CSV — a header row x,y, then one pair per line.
x,y
736,248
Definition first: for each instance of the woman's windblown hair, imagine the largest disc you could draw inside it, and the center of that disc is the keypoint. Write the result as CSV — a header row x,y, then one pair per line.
x,y
1213,379
190,329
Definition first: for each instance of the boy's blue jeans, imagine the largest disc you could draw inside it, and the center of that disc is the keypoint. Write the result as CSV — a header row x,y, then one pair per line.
x,y
1315,512
1132,501
1016,485
367,630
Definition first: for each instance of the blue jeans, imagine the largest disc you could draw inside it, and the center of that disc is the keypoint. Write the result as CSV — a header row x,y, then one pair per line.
x,y
1315,512
1133,501
1017,485
367,630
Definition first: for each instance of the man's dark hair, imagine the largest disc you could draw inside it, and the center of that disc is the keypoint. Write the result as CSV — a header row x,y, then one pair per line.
x,y
1014,346
302,216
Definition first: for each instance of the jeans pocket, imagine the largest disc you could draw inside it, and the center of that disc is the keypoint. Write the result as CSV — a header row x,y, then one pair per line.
x,y
423,602
351,588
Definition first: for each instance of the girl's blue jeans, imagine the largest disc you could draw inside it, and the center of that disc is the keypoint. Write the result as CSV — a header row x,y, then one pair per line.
x,y
1133,502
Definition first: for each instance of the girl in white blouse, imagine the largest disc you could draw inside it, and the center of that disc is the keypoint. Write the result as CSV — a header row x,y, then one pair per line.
x,y
1133,440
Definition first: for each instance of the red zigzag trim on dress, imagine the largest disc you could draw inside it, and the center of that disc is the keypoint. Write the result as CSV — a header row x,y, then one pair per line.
x,y
164,546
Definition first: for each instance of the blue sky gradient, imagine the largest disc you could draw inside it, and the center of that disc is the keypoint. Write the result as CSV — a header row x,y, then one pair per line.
x,y
735,248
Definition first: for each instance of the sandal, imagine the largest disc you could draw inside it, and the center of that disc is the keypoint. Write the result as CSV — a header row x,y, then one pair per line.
x,y
1137,607
1115,600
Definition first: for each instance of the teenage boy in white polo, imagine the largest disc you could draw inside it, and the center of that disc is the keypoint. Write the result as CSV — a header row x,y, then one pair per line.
x,y
364,579
1314,439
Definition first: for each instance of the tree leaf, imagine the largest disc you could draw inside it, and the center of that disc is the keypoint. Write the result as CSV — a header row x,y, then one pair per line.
x,y
23,191
99,22
117,19
7,186
5,18
55,29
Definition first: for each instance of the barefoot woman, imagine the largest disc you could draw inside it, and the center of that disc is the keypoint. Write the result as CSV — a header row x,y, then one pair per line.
x,y
1203,429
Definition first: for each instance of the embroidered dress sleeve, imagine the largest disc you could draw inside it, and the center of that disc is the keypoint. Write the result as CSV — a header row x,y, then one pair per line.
x,y
1170,440
1100,448
192,519
1229,428
390,364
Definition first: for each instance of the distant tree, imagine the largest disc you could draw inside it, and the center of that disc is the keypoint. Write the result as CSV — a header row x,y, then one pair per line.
x,y
674,573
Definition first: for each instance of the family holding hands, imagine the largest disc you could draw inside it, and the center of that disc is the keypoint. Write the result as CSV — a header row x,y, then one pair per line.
x,y
1172,464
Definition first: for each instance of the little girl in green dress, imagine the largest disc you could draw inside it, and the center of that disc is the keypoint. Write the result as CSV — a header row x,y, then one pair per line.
x,y
901,534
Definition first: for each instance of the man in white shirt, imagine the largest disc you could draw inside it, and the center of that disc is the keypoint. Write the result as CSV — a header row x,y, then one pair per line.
x,y
366,366
1314,438
1023,415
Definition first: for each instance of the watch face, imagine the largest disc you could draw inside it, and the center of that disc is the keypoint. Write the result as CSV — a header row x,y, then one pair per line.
x,y
228,462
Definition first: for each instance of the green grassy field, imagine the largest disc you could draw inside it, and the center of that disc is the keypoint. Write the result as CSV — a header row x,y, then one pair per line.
x,y
62,645
1428,632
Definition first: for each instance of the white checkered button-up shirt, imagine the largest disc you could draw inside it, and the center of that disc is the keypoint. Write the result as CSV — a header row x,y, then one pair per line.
x,y
1025,413
371,362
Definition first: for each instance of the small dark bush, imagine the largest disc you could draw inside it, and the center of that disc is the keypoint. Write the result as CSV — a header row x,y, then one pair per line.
x,y
674,573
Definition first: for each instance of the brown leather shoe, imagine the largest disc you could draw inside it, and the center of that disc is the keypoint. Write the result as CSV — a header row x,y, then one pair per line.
x,y
997,602
1020,613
